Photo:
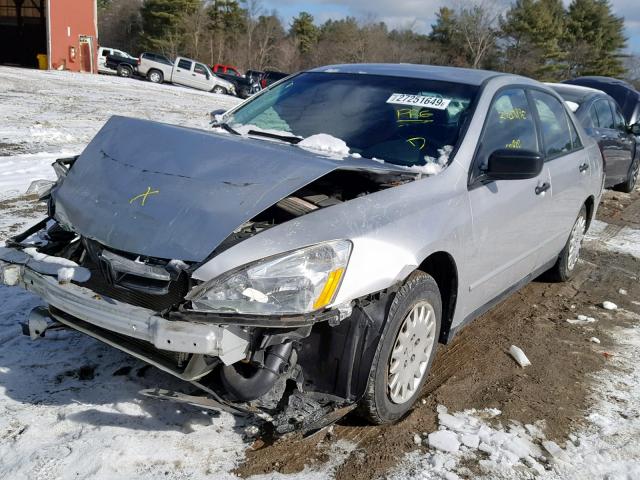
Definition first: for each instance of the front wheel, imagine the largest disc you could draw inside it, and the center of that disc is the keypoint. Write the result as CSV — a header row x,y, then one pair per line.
x,y
220,90
632,179
405,352
124,71
565,266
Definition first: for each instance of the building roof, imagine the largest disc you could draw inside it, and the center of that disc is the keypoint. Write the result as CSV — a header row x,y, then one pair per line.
x,y
431,72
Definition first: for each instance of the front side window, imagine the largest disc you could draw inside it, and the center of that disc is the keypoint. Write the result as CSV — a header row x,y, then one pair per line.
x,y
509,125
201,69
184,64
618,119
405,121
554,124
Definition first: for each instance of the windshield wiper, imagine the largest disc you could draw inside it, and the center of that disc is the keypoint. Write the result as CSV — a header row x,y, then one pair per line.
x,y
227,127
275,136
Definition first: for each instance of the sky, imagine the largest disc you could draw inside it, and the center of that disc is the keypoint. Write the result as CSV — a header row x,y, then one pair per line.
x,y
420,14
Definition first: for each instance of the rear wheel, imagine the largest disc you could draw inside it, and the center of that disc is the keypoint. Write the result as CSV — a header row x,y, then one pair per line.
x,y
125,71
219,89
405,352
155,76
632,178
565,266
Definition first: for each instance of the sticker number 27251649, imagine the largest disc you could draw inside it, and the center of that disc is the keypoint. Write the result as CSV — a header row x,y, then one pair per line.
x,y
419,101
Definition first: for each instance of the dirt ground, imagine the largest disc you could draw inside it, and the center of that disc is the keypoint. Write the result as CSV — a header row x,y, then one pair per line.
x,y
475,370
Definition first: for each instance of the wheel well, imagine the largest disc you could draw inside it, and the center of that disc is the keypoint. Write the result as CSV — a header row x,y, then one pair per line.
x,y
154,70
590,204
442,268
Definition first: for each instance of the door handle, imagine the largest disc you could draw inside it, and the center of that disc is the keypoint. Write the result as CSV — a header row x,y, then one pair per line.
x,y
583,168
540,189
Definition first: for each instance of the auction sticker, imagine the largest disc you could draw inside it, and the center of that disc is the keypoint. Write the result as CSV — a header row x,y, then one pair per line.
x,y
419,101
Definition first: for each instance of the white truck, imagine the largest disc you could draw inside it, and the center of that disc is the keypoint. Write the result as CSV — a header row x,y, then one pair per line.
x,y
183,71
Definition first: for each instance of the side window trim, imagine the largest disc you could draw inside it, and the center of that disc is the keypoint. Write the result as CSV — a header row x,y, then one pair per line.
x,y
549,158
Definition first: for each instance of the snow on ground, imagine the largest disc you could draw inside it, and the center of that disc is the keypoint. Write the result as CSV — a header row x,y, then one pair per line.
x,y
50,115
614,238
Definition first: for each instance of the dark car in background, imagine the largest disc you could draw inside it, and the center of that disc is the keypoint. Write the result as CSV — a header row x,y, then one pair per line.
x,y
627,97
245,87
603,120
271,76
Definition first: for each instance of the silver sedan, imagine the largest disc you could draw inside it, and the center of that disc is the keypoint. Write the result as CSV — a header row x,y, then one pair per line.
x,y
309,254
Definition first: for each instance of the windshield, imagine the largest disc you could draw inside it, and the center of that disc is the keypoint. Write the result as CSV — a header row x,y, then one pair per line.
x,y
405,121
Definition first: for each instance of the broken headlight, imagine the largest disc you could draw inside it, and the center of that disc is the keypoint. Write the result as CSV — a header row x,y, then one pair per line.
x,y
296,282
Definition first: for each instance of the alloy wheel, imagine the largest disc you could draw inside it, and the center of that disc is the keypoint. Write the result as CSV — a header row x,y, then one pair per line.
x,y
575,241
410,355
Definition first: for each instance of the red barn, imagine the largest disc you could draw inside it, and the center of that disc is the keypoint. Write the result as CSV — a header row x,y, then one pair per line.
x,y
62,33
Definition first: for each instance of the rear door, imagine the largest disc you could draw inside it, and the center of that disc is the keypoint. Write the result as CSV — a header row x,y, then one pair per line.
x,y
509,216
625,141
569,170
182,72
609,141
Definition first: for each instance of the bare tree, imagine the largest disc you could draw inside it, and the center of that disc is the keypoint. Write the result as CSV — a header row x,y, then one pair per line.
x,y
478,28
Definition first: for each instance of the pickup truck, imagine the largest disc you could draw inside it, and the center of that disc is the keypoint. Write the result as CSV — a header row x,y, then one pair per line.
x,y
184,71
104,52
124,66
245,87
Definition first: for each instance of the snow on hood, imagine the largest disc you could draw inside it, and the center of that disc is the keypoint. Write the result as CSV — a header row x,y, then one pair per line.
x,y
325,143
171,192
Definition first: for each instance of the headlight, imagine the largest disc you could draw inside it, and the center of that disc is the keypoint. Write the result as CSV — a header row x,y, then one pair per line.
x,y
296,282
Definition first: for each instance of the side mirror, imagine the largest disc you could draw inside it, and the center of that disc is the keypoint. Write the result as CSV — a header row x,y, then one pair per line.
x,y
513,164
635,129
216,116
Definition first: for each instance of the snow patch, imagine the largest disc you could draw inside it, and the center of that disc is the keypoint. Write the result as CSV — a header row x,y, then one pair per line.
x,y
325,143
519,356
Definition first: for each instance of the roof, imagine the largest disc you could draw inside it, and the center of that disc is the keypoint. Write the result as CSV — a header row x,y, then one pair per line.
x,y
577,90
430,72
600,79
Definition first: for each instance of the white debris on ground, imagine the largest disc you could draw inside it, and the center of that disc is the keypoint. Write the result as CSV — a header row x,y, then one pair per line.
x,y
607,305
325,143
581,320
49,115
519,356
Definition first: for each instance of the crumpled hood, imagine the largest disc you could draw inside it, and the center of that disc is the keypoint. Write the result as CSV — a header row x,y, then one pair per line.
x,y
176,193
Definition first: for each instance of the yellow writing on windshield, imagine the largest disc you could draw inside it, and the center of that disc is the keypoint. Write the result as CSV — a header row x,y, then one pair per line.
x,y
515,144
417,142
413,115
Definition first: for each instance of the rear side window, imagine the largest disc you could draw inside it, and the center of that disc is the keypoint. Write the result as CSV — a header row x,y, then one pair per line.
x,y
603,111
184,64
554,124
509,124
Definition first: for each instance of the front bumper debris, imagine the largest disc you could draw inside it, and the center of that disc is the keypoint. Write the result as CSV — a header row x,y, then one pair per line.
x,y
229,343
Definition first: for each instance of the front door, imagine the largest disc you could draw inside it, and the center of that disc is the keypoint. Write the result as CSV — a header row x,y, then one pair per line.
x,y
569,169
509,221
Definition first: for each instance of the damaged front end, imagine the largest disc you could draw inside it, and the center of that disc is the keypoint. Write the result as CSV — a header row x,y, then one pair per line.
x,y
264,338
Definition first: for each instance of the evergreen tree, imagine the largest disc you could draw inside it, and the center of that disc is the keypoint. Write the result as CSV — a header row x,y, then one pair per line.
x,y
533,30
594,39
304,32
163,23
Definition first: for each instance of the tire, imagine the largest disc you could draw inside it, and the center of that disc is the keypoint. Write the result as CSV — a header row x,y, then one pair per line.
x,y
124,71
220,90
632,178
382,402
564,269
155,76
